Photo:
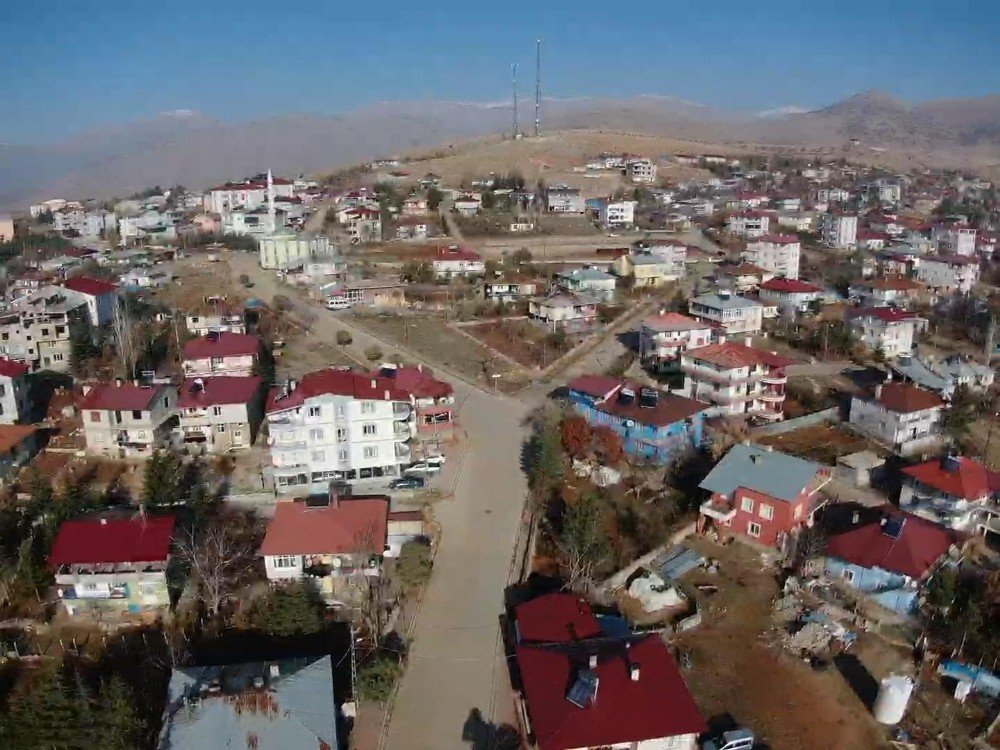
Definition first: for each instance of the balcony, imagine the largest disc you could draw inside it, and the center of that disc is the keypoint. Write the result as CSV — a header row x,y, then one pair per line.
x,y
402,451
720,511
774,379
771,398
402,430
401,411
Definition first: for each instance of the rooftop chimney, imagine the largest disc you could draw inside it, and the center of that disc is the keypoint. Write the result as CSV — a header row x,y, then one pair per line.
x,y
748,341
878,391
633,672
275,671
592,661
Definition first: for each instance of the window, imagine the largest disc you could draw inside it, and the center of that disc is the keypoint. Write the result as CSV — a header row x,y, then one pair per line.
x,y
316,435
369,429
766,511
57,358
220,428
285,561
95,416
753,529
315,411
367,407
371,451
136,415
340,410
747,505
342,455
3,390
848,575
216,411
319,456
341,434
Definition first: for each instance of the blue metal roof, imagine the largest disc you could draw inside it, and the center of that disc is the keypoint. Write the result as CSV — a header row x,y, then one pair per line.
x,y
722,302
752,466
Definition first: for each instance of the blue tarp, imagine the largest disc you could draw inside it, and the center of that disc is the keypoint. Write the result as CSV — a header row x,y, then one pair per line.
x,y
982,679
678,561
613,626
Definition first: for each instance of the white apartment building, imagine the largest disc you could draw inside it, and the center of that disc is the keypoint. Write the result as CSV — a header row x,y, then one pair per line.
x,y
220,414
220,317
948,273
641,171
617,213
124,420
664,337
338,425
85,223
258,222
150,225
887,191
290,250
789,294
888,329
563,199
737,380
456,260
246,195
840,230
777,253
363,224
748,223
954,239
733,313
901,416
15,396
221,353
36,329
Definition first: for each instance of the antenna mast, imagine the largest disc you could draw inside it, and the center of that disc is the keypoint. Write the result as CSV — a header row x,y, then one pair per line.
x,y
538,84
513,69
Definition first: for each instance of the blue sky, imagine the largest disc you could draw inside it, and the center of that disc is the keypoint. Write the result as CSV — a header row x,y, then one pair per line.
x,y
71,66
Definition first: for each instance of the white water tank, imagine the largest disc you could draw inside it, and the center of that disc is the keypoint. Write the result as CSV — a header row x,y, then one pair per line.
x,y
893,695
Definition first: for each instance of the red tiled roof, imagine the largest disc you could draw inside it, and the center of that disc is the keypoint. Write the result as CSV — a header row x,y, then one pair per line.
x,y
555,618
223,344
893,283
597,386
776,239
863,235
919,545
11,369
218,390
94,541
340,383
969,479
657,704
457,253
905,399
669,408
418,382
885,314
353,525
790,286
732,355
124,397
12,435
952,260
92,287
671,321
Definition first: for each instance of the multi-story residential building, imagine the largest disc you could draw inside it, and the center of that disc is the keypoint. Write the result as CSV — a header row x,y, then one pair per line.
x,y
363,224
641,171
617,213
564,311
664,337
886,191
37,328
789,294
220,414
593,282
563,199
433,400
337,425
152,225
247,195
888,290
412,228
901,416
748,223
259,222
839,230
216,315
744,200
777,253
643,270
731,312
456,260
737,380
124,420
221,353
112,565
508,291
741,278
415,205
285,250
763,494
15,394
949,273
954,491
654,425
84,223
101,297
954,238
888,329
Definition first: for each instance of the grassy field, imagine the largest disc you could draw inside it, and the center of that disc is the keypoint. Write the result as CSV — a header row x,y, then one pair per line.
x,y
822,443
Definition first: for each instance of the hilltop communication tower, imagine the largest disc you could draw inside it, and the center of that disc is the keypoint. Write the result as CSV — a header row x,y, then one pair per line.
x,y
538,84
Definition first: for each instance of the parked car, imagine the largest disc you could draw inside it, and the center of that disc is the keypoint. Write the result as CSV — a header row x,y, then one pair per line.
x,y
437,460
422,467
338,303
407,483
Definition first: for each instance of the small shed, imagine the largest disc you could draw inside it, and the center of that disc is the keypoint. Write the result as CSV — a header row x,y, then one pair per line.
x,y
858,469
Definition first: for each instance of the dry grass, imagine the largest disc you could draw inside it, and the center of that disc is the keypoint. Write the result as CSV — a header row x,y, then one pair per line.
x,y
822,443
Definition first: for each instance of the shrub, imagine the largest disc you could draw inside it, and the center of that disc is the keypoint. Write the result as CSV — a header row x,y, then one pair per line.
x,y
373,353
344,337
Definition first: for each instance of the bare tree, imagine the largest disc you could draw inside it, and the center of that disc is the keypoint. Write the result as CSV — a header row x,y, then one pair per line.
x,y
373,590
220,558
582,542
125,337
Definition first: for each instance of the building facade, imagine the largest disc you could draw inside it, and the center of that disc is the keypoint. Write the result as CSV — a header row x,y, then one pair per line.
x,y
777,253
736,380
901,416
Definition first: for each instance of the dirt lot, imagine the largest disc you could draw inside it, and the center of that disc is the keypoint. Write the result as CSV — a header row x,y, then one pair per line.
x,y
518,339
822,443
734,670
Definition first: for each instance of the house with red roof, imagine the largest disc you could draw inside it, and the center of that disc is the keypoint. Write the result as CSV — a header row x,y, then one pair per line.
x,y
363,224
15,395
949,273
653,424
329,542
955,491
741,278
889,555
581,689
221,353
889,329
101,297
127,420
456,260
901,416
736,380
886,290
789,294
665,336
109,564
220,414
433,400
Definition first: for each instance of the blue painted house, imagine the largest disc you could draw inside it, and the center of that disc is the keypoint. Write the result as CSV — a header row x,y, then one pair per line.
x,y
889,556
654,425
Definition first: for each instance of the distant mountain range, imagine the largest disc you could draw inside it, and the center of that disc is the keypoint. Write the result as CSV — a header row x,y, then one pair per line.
x,y
196,150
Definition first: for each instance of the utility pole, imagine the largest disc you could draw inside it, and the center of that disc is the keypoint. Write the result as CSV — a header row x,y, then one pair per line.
x,y
538,85
513,69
